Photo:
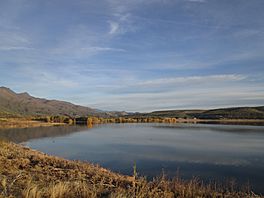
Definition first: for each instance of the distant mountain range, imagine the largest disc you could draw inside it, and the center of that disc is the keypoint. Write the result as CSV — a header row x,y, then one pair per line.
x,y
22,104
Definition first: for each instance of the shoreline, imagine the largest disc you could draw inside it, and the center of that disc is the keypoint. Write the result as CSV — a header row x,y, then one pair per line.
x,y
8,123
20,165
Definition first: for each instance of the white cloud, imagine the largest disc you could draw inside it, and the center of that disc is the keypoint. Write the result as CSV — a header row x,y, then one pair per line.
x,y
198,98
122,24
122,20
210,91
114,27
80,41
102,49
184,62
13,40
192,79
131,85
12,48
240,34
197,1
46,79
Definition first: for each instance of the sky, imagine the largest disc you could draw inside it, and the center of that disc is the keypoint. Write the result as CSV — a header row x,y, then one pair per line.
x,y
135,55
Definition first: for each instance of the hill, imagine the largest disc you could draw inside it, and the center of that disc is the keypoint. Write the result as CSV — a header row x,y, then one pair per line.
x,y
22,104
224,113
233,113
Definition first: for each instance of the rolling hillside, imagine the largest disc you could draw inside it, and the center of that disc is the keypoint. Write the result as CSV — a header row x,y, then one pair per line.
x,y
224,113
22,104
233,113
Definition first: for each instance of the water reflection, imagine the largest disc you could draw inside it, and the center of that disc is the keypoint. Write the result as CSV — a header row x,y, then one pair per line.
x,y
215,127
24,134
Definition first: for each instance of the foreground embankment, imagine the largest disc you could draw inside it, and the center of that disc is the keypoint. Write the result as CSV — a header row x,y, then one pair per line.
x,y
28,173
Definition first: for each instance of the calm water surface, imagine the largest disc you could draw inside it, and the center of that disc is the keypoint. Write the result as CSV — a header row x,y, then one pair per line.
x,y
210,152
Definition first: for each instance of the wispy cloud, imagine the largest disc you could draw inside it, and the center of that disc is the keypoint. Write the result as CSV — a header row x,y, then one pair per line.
x,y
45,79
103,49
121,24
79,42
197,1
184,62
122,20
245,33
12,48
192,79
12,39
181,98
166,85
114,27
183,92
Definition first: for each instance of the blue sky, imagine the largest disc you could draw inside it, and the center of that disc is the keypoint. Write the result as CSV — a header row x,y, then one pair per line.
x,y
139,55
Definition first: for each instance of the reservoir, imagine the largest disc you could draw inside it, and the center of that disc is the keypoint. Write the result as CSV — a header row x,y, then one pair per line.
x,y
209,152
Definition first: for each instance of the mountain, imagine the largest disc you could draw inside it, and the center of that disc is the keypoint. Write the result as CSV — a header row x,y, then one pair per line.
x,y
22,104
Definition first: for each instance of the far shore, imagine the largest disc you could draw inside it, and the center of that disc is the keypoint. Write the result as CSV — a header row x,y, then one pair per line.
x,y
7,123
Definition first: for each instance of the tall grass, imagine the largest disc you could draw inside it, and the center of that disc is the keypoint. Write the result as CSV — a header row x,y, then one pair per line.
x,y
158,188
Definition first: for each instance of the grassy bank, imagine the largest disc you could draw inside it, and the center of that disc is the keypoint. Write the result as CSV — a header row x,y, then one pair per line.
x,y
28,173
6,123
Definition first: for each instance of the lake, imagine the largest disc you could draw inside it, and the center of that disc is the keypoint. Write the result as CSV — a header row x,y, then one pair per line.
x,y
210,152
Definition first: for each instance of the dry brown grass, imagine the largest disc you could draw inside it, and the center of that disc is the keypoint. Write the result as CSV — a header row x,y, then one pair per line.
x,y
32,174
6,123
